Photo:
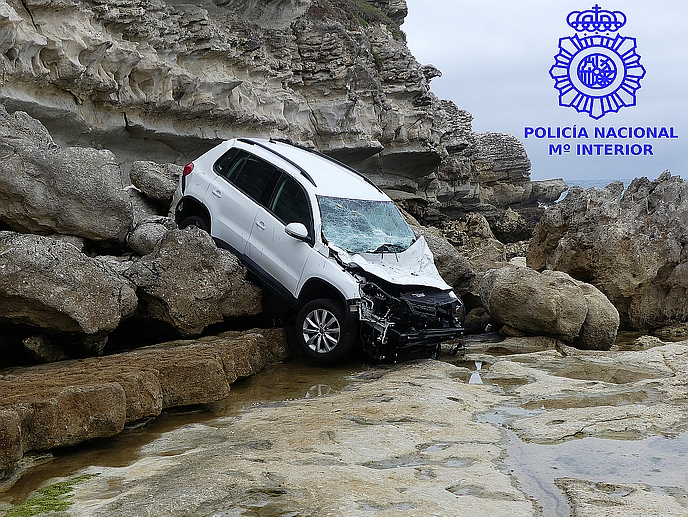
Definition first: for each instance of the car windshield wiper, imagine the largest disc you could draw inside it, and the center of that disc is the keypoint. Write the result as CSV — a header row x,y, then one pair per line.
x,y
388,248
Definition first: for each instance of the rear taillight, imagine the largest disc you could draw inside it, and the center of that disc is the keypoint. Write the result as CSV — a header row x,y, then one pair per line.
x,y
187,169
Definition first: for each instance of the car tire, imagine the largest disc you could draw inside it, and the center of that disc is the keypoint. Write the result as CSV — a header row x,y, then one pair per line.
x,y
196,221
323,331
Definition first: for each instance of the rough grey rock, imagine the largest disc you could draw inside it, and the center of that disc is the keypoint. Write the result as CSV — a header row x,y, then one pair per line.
x,y
547,191
597,499
503,168
189,283
395,9
512,227
477,321
633,247
550,303
47,189
50,284
678,332
147,233
43,350
157,181
143,207
473,238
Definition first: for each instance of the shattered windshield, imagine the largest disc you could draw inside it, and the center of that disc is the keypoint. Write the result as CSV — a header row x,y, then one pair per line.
x,y
364,226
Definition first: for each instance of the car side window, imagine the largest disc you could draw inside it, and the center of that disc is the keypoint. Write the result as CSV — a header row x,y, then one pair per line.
x,y
230,162
290,203
253,177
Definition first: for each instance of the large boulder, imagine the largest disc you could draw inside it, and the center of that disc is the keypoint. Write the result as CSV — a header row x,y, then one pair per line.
x,y
550,303
601,324
51,285
46,189
631,245
156,180
146,233
189,283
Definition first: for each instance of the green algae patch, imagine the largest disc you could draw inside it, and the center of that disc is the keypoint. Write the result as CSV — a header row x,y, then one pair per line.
x,y
51,498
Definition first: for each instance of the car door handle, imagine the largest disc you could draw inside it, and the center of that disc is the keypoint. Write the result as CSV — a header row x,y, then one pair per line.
x,y
217,193
260,225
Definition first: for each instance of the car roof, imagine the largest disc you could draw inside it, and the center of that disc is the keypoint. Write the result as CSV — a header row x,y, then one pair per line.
x,y
319,173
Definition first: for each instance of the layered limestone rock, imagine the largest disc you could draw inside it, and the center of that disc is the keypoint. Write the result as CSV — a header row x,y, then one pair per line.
x,y
165,81
73,401
421,438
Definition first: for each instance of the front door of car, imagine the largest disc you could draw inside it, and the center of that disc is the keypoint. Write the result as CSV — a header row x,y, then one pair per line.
x,y
233,196
280,255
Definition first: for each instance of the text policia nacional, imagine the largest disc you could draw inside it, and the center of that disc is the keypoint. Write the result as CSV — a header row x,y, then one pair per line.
x,y
607,140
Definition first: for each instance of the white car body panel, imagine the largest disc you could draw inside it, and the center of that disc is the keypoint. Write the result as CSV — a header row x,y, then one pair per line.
x,y
281,256
414,266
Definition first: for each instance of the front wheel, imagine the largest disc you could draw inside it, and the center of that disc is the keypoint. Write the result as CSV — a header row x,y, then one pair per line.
x,y
322,331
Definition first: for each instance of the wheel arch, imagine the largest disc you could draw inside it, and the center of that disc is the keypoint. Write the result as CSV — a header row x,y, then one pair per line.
x,y
189,206
316,288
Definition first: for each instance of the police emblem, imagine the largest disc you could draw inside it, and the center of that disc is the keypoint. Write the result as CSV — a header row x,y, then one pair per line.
x,y
595,71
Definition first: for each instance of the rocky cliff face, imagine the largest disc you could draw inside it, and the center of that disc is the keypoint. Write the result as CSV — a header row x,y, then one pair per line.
x,y
164,81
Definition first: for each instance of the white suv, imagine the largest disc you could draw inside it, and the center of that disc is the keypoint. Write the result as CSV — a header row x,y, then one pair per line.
x,y
329,241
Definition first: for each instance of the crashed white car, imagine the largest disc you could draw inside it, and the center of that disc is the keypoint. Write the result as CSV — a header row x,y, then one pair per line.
x,y
329,241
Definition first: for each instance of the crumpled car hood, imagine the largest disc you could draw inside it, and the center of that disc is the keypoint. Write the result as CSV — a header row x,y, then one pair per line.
x,y
414,266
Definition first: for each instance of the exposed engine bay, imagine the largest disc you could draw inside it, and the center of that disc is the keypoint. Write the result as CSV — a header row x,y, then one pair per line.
x,y
407,321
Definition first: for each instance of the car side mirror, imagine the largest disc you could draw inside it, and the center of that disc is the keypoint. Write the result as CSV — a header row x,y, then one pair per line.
x,y
298,231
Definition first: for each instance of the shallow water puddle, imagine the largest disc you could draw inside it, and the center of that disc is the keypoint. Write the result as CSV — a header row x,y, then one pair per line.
x,y
656,461
277,383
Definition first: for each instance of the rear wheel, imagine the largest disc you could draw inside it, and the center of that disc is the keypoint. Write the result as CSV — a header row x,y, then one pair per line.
x,y
196,221
322,331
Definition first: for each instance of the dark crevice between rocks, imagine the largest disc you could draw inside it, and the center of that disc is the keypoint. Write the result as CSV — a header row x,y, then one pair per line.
x,y
33,22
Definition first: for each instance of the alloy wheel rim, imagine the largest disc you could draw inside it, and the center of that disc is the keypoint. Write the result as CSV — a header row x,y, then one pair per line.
x,y
321,331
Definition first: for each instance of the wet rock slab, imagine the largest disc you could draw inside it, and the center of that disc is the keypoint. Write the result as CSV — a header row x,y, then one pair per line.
x,y
552,431
400,441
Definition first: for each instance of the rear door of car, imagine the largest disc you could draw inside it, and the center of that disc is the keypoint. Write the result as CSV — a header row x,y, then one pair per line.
x,y
280,255
233,197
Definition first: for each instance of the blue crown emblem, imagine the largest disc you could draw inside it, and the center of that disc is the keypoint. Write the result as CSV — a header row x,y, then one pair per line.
x,y
596,73
596,20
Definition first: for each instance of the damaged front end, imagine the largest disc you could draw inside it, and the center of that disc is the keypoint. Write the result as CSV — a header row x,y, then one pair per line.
x,y
404,308
405,322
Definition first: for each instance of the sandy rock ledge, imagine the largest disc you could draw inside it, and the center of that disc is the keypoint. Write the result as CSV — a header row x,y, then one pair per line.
x,y
69,402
